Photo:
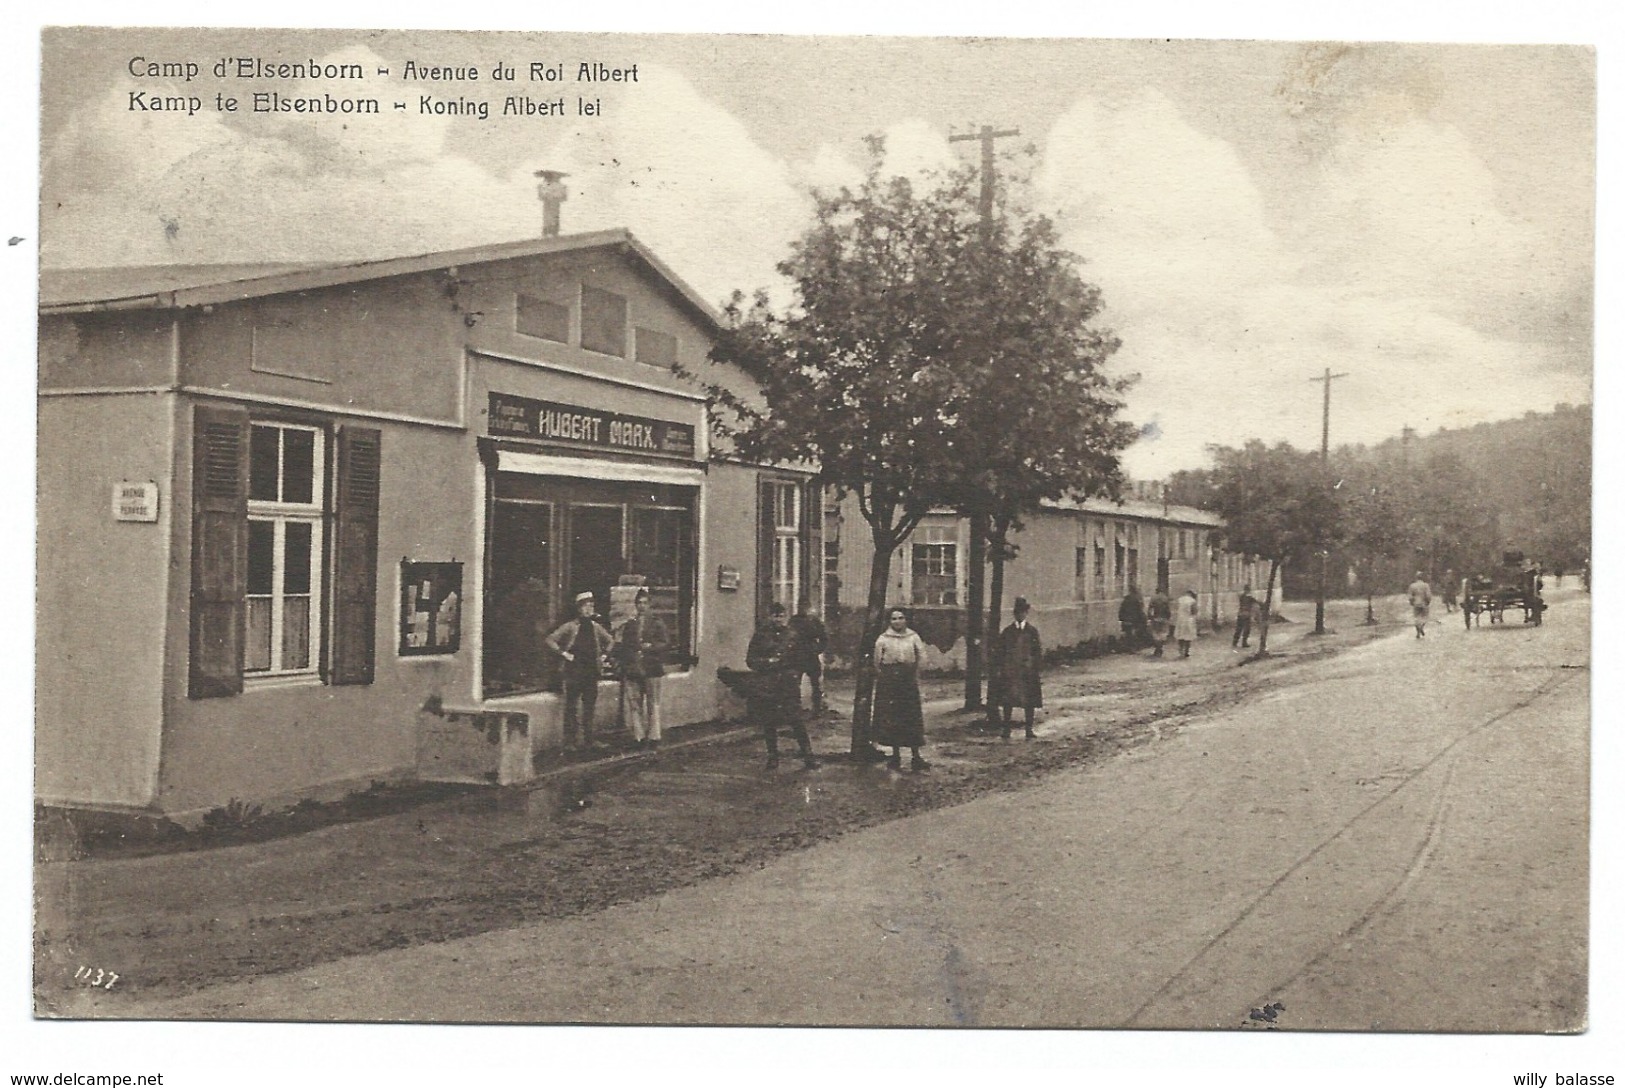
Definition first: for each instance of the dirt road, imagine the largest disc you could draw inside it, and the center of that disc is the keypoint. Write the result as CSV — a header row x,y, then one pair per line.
x,y
1393,837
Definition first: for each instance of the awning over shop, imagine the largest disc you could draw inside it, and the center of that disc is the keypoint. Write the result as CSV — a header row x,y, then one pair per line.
x,y
544,464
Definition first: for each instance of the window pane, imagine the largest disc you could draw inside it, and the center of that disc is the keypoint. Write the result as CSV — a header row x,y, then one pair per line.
x,y
296,558
257,654
296,632
542,319
261,549
262,464
655,348
298,466
603,321
522,599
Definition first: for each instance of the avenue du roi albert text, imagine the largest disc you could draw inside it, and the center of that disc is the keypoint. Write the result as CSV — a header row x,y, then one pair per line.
x,y
413,73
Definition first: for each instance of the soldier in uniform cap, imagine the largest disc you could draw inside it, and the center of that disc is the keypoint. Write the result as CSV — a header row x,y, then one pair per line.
x,y
775,691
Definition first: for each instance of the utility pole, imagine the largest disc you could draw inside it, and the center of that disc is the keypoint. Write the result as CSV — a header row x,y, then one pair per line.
x,y
1326,380
980,517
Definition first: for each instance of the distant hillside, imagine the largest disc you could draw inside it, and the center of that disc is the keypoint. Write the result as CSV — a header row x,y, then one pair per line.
x,y
1532,478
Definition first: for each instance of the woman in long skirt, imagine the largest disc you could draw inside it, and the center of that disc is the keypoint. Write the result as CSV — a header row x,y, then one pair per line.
x,y
898,721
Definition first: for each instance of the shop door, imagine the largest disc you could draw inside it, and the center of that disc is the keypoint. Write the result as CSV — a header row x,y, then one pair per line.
x,y
596,559
521,606
1162,576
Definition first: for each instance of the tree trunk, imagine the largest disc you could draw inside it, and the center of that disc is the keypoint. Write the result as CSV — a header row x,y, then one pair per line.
x,y
995,604
1269,608
874,621
974,624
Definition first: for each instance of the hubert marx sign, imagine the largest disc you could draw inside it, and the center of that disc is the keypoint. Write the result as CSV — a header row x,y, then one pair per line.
x,y
135,500
572,425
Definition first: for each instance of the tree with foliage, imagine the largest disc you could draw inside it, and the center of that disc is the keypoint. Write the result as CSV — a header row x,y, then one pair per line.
x,y
912,332
1277,504
1374,524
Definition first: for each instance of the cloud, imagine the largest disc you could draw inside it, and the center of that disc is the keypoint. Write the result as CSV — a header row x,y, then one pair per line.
x,y
1383,266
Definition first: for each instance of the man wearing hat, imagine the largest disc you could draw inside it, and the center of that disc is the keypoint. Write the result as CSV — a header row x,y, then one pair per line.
x,y
776,692
581,645
1021,654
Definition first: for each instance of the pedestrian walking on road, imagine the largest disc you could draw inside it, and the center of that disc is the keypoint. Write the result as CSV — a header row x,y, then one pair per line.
x,y
1246,610
812,639
1159,614
1185,621
899,721
1021,659
1450,583
774,697
1420,595
640,661
1131,615
582,644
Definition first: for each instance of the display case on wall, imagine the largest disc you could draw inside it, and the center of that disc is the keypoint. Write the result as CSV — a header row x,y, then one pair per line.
x,y
431,608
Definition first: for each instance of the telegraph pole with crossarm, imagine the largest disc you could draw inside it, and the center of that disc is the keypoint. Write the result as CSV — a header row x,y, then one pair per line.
x,y
1326,380
980,519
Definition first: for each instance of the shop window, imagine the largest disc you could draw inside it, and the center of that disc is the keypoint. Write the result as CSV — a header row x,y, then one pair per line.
x,y
1119,558
603,321
261,512
655,348
554,537
1080,572
1100,570
1133,567
542,319
789,544
935,565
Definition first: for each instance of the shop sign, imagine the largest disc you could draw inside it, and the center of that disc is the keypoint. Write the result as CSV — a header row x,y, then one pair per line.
x,y
135,501
572,425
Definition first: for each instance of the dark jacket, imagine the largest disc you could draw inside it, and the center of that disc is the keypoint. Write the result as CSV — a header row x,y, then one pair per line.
x,y
1131,613
811,638
1021,657
641,648
571,637
772,655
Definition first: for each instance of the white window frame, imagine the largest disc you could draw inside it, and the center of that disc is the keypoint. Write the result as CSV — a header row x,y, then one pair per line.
x,y
280,515
939,536
787,522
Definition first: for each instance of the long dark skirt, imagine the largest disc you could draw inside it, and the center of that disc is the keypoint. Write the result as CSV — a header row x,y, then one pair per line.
x,y
898,721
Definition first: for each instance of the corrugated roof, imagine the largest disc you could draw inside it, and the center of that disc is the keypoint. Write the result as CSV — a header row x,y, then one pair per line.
x,y
68,290
1134,508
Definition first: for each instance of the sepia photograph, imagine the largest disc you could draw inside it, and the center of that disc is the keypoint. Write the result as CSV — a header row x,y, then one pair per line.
x,y
814,530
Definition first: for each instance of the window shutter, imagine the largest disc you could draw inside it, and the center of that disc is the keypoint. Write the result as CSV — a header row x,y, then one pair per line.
x,y
355,554
219,551
764,547
812,547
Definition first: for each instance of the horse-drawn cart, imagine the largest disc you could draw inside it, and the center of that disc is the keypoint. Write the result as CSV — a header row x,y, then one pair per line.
x,y
1518,588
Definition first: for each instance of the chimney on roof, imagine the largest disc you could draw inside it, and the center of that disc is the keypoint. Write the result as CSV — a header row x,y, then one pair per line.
x,y
553,193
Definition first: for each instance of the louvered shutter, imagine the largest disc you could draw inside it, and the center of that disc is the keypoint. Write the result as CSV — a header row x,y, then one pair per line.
x,y
812,535
764,547
355,555
219,551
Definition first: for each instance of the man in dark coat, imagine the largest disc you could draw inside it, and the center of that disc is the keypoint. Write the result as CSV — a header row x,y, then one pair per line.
x,y
1159,613
775,694
1021,655
1246,612
811,640
1131,614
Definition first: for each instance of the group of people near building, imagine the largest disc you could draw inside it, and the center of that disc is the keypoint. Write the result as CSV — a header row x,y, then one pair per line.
x,y
1151,622
635,655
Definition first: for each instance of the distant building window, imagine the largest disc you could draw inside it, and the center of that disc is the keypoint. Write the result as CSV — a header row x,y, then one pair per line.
x,y
655,348
832,558
603,321
935,565
542,319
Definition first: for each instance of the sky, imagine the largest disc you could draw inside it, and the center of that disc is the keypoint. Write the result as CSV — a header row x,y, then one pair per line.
x,y
1419,217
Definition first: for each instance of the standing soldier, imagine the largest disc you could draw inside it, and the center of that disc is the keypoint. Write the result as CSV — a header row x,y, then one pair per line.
x,y
1131,615
1021,655
640,655
581,644
1450,581
1246,609
1420,595
775,694
811,640
1158,612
